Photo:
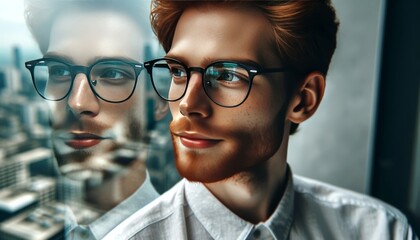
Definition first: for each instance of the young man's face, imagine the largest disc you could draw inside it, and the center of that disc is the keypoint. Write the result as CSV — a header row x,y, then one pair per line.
x,y
212,142
88,131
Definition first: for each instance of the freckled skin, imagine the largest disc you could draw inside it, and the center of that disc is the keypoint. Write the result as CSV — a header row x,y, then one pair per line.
x,y
251,133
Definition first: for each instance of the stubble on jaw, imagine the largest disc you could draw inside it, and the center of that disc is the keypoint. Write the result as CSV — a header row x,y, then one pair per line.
x,y
230,166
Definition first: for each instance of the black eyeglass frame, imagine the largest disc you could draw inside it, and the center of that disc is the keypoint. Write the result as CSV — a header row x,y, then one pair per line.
x,y
252,72
76,69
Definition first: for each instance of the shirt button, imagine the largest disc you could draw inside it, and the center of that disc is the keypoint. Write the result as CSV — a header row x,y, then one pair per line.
x,y
256,233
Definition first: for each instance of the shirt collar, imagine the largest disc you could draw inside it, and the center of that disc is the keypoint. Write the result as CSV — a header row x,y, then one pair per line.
x,y
221,223
101,226
280,222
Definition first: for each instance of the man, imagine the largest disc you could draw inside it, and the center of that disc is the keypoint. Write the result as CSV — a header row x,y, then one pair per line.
x,y
91,77
242,76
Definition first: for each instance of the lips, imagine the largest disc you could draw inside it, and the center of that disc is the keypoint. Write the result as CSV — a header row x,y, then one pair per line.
x,y
82,140
195,140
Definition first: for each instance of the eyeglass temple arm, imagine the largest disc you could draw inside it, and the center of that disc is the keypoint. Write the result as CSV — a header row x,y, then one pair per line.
x,y
272,70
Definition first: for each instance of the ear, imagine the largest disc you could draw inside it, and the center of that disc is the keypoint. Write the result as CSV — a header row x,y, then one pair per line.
x,y
306,99
161,108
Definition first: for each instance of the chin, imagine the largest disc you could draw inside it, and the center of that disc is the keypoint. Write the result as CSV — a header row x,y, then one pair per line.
x,y
84,175
202,176
219,165
198,168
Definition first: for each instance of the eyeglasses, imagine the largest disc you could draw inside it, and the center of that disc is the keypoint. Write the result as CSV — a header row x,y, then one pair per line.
x,y
226,83
111,80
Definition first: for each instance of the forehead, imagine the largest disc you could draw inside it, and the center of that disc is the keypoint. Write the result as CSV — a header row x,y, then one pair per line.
x,y
223,32
83,35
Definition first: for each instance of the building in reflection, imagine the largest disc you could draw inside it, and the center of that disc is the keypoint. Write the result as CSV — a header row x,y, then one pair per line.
x,y
27,182
31,195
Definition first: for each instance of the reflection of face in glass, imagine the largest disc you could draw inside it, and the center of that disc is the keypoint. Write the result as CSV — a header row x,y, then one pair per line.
x,y
91,133
112,80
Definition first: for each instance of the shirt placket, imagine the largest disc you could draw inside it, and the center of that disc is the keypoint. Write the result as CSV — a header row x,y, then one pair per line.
x,y
260,231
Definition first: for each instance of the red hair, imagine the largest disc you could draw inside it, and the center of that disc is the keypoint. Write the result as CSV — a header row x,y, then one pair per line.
x,y
304,31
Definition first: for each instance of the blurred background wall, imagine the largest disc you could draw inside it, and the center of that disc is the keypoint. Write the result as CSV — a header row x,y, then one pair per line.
x,y
366,133
334,145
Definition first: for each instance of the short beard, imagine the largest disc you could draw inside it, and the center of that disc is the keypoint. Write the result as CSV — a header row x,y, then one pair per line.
x,y
257,176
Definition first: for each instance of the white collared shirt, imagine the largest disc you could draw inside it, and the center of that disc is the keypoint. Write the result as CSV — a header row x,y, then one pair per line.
x,y
145,194
308,210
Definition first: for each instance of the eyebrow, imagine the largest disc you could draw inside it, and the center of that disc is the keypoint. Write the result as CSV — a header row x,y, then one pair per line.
x,y
122,58
207,60
59,56
91,61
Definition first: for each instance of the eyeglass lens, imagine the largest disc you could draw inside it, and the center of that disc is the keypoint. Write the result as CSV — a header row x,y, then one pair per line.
x,y
111,80
226,83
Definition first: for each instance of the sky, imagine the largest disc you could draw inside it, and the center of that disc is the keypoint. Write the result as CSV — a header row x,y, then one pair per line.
x,y
13,32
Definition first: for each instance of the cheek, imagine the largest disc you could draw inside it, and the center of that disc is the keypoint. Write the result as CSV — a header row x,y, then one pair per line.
x,y
114,111
260,133
173,107
259,112
58,111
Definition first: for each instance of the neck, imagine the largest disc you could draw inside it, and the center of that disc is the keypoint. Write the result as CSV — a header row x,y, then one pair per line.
x,y
254,195
115,190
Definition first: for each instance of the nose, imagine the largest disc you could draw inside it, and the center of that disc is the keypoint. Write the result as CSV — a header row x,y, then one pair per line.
x,y
82,101
195,101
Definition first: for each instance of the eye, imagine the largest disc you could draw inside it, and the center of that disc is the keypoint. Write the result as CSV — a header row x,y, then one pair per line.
x,y
113,74
229,76
177,71
59,71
